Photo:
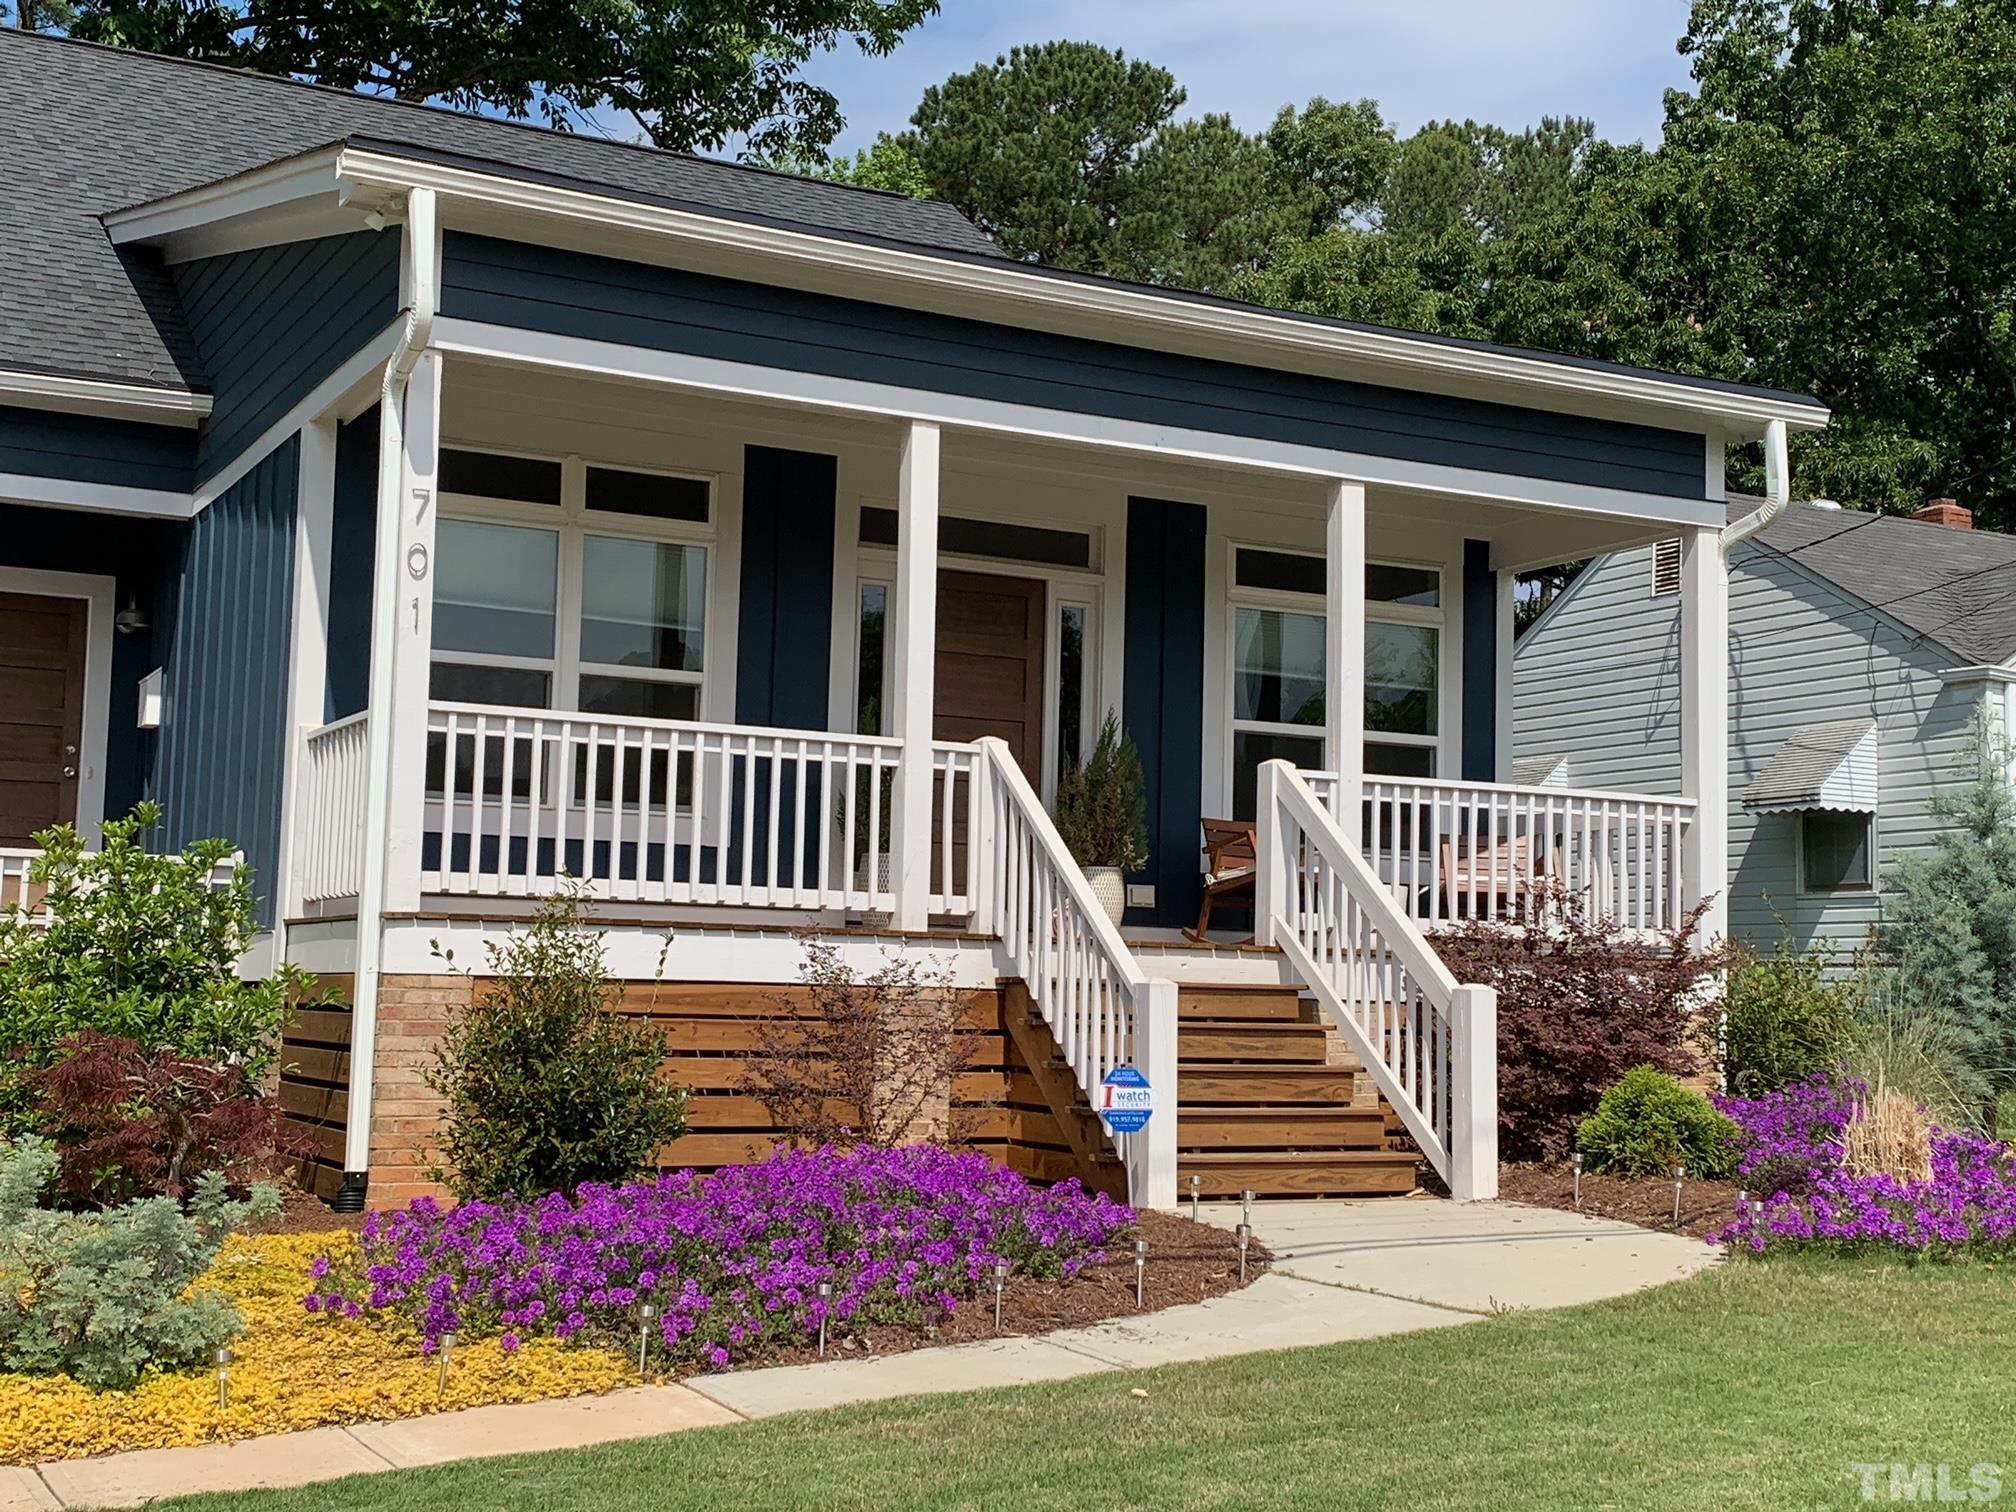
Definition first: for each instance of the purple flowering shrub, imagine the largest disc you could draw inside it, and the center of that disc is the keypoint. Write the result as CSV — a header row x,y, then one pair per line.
x,y
1795,1145
731,1261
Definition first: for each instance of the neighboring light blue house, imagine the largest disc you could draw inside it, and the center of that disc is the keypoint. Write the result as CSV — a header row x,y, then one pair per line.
x,y
1862,649
444,508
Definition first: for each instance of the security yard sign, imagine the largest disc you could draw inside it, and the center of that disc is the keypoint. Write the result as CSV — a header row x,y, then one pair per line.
x,y
1125,1101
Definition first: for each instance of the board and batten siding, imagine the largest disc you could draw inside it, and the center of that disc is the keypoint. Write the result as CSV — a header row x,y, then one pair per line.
x,y
222,743
1598,682
666,309
272,323
92,449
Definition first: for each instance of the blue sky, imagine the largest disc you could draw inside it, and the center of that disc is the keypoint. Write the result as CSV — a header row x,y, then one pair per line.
x,y
1505,61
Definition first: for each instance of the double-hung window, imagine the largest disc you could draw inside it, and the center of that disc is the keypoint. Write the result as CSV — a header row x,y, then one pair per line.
x,y
570,586
1278,668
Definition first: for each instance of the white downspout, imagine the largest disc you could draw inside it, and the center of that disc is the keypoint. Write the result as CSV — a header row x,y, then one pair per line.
x,y
1777,488
421,280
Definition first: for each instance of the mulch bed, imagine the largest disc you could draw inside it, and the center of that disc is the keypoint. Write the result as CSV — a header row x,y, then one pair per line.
x,y
302,1212
1705,1206
1187,1262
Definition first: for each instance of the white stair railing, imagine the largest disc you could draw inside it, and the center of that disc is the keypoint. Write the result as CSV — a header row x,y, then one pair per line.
x,y
1101,1008
1429,1042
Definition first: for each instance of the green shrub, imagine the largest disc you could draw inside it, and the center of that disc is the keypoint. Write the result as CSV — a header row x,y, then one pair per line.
x,y
1102,807
544,1086
1648,1123
102,1297
138,946
1784,1019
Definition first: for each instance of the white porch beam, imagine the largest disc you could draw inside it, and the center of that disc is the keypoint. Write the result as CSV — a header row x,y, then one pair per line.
x,y
849,396
916,641
1704,722
1344,649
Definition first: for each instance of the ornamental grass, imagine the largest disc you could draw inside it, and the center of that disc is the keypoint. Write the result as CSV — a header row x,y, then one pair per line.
x,y
730,1264
1809,1150
289,1370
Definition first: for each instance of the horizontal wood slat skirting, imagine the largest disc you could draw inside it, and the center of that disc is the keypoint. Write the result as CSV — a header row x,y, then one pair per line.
x,y
996,1103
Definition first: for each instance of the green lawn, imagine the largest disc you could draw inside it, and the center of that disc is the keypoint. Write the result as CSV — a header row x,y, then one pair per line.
x,y
1759,1385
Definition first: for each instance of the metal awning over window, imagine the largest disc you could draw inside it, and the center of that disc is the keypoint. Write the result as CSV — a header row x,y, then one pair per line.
x,y
1820,766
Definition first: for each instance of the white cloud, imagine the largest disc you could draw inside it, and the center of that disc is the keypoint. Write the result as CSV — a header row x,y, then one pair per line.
x,y
1507,61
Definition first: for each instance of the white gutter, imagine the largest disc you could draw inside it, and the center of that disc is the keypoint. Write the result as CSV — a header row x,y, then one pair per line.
x,y
92,396
422,283
1777,488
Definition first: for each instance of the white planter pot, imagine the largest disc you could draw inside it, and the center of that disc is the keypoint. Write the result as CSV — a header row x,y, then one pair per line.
x,y
1109,887
874,918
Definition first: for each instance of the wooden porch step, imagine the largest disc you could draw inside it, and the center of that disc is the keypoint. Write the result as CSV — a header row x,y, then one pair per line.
x,y
1204,1083
1281,1129
1234,1040
1258,1003
1337,1173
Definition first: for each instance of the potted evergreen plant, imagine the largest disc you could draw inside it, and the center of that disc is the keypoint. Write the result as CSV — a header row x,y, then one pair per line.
x,y
1102,816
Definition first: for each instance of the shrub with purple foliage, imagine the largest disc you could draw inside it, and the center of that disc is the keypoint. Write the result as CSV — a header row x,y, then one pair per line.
x,y
1794,1151
731,1261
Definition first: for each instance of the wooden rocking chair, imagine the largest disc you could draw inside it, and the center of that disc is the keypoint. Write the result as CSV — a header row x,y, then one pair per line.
x,y
1231,858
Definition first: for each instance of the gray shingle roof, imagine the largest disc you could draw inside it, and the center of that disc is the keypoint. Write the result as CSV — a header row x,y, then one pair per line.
x,y
88,130
1955,587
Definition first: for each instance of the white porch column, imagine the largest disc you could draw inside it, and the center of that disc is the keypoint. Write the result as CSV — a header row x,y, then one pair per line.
x,y
916,641
1704,721
1344,650
308,656
410,619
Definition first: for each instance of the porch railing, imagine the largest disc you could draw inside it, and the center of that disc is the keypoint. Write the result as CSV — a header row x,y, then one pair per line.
x,y
1429,1042
1481,850
656,811
19,891
330,859
1101,1008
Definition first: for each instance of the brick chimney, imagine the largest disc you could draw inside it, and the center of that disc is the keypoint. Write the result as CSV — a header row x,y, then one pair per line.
x,y
1947,512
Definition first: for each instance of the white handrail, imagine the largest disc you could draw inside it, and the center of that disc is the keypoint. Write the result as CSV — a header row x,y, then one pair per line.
x,y
1428,1041
330,860
1101,1008
1454,850
21,895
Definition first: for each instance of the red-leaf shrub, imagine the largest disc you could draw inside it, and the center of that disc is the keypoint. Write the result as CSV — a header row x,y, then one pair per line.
x,y
131,1122
1581,1001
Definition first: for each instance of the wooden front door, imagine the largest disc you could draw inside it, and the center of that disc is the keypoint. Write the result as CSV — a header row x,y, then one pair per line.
x,y
990,663
41,712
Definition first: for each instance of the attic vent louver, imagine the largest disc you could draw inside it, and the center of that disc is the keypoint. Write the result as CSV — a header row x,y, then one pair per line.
x,y
1666,567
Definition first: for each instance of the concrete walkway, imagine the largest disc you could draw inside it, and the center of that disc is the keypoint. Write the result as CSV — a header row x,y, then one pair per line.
x,y
1343,1270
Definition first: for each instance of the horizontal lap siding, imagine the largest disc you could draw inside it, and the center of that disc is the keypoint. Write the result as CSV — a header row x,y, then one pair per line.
x,y
274,322
92,449
1599,684
572,294
222,743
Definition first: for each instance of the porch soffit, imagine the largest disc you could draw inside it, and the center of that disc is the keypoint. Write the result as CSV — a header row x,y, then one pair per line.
x,y
519,347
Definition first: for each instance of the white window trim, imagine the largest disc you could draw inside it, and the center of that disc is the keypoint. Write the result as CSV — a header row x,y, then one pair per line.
x,y
1805,888
572,521
1441,619
100,594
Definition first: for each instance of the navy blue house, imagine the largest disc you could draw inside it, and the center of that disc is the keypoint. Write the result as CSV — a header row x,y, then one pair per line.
x,y
448,511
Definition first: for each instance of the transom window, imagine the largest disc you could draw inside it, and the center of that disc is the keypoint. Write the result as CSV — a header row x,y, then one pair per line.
x,y
1278,667
570,586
